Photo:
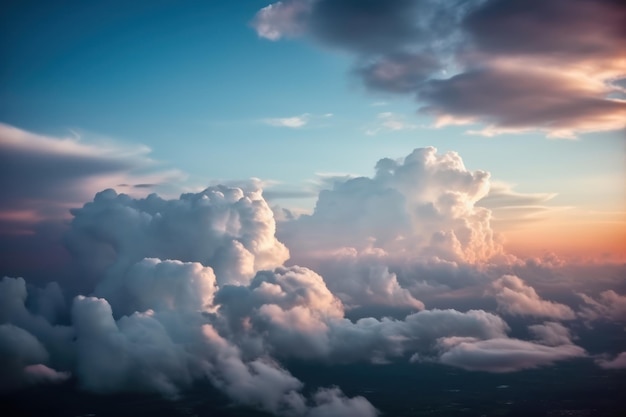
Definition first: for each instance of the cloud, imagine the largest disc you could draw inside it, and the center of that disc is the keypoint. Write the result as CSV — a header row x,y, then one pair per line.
x,y
504,355
424,204
296,122
619,362
513,209
551,333
608,306
391,122
515,297
399,73
364,279
225,228
292,122
58,173
172,291
511,98
281,19
498,63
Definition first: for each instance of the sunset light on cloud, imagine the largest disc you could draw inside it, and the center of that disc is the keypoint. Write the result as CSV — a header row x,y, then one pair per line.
x,y
313,208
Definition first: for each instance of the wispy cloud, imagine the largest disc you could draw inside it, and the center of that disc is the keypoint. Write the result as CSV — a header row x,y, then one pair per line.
x,y
390,122
295,122
56,173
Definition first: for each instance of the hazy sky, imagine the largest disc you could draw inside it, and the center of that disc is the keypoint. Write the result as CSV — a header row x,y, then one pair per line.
x,y
456,154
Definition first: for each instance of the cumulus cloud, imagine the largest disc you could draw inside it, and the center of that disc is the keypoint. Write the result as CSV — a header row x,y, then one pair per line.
x,y
504,355
619,362
230,230
22,358
364,279
500,63
423,204
608,306
515,297
200,288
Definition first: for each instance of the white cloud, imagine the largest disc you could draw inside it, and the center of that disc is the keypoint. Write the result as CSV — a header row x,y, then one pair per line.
x,y
504,355
296,122
609,306
293,122
423,205
516,297
281,19
390,122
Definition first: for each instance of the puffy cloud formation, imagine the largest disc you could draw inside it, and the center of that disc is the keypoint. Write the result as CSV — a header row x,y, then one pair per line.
x,y
483,62
503,355
515,297
422,205
198,288
32,348
618,362
386,239
22,357
225,228
364,278
609,306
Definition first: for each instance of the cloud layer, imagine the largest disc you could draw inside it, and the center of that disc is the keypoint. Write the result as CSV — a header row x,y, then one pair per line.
x,y
509,65
196,288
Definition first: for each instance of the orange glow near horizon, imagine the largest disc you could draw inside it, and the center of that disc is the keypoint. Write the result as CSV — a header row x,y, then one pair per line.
x,y
587,241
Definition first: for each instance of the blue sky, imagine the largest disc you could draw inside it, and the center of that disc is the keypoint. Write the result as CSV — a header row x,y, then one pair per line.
x,y
359,242
195,83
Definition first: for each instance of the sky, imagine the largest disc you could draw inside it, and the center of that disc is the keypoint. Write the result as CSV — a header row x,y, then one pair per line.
x,y
462,161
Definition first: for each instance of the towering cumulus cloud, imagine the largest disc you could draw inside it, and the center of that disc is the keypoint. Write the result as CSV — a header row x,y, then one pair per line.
x,y
423,204
367,233
199,288
511,65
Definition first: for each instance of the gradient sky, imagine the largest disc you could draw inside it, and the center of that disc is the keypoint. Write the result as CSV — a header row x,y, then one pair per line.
x,y
195,83
449,172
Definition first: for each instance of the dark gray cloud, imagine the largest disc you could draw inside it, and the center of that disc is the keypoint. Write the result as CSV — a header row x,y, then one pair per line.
x,y
399,73
561,29
518,98
43,176
513,65
377,26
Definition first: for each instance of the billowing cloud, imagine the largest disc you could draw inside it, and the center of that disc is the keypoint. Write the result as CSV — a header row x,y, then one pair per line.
x,y
364,279
504,355
608,306
515,297
201,288
619,362
423,204
499,63
225,228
